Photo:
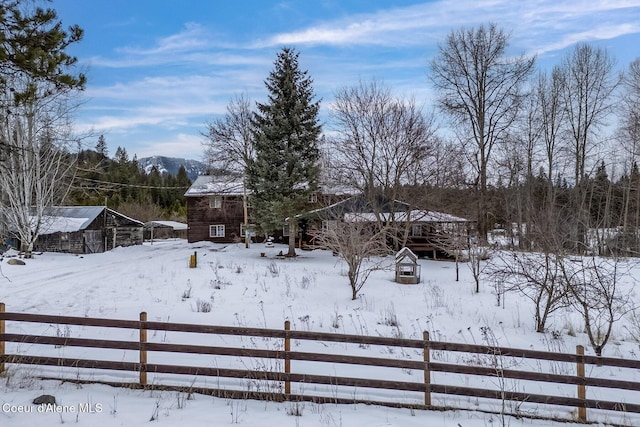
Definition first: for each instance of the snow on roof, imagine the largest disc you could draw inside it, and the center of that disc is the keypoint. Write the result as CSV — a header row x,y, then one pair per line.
x,y
431,216
208,184
173,224
67,219
415,215
62,224
338,189
404,253
87,212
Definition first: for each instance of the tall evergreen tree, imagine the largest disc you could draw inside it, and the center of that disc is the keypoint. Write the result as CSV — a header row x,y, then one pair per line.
x,y
101,146
121,156
33,47
286,132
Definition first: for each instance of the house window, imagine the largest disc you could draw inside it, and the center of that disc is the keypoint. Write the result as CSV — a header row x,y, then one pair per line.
x,y
215,202
216,231
313,198
285,230
416,229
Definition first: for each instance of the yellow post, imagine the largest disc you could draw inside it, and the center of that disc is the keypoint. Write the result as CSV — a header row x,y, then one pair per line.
x,y
582,389
427,371
143,350
193,260
287,361
2,331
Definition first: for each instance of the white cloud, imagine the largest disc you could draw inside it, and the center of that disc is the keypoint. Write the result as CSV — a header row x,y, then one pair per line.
x,y
194,45
198,74
424,23
599,32
180,145
193,37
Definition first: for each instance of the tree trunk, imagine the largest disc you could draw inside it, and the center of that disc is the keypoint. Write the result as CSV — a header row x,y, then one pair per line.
x,y
292,238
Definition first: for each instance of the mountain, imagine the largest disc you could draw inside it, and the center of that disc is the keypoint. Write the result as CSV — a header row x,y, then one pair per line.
x,y
171,165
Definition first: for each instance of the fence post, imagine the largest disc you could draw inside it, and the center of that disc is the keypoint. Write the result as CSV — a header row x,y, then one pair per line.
x,y
143,349
287,361
2,331
427,371
582,389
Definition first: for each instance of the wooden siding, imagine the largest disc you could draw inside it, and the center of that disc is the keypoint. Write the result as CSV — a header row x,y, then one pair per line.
x,y
61,242
163,232
200,216
113,230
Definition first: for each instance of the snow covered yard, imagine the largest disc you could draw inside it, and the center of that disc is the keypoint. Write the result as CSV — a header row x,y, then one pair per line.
x,y
234,286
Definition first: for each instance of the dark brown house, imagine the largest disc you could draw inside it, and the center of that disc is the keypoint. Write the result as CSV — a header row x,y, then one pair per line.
x,y
427,233
215,209
86,229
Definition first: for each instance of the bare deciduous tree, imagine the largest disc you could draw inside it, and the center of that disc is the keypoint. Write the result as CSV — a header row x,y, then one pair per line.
x,y
381,144
476,255
357,243
479,87
552,116
535,151
595,290
36,169
454,242
228,144
588,83
536,276
629,141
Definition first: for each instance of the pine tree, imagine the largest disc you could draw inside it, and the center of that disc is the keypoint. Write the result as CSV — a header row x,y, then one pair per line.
x,y
286,132
34,46
101,146
121,156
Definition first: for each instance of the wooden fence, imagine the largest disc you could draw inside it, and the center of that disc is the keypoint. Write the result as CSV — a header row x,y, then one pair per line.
x,y
426,386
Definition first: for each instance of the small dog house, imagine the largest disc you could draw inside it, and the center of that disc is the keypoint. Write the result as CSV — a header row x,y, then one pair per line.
x,y
407,268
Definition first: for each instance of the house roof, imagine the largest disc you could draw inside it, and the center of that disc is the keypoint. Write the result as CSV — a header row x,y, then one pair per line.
x,y
68,219
359,203
338,189
206,185
359,208
415,215
171,224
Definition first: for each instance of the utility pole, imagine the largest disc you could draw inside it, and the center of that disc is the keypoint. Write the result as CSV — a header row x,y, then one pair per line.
x,y
246,216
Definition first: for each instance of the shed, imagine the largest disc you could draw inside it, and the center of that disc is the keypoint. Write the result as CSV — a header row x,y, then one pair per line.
x,y
86,229
407,267
165,230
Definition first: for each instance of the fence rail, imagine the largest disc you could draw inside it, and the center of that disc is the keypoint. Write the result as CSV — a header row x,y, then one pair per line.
x,y
286,377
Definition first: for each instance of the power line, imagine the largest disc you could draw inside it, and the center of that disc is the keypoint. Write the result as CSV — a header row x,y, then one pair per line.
x,y
122,184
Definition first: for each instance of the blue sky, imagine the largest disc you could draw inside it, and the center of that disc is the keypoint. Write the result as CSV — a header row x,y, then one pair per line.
x,y
158,70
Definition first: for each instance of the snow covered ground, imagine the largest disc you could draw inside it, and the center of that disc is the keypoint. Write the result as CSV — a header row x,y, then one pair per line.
x,y
244,289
